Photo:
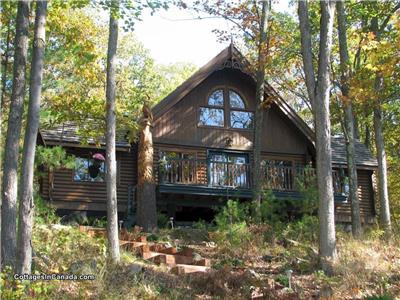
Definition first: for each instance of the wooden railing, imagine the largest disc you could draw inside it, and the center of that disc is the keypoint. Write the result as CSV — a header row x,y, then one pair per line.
x,y
229,174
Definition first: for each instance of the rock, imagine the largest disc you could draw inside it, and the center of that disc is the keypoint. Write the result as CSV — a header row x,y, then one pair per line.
x,y
75,218
83,267
326,292
253,273
60,227
135,269
196,256
267,258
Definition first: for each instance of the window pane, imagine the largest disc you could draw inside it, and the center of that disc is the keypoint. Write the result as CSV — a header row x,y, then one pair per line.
x,y
89,170
216,98
241,119
235,101
211,117
81,169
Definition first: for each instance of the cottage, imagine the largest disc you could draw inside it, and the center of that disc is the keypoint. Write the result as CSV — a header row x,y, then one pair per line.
x,y
203,139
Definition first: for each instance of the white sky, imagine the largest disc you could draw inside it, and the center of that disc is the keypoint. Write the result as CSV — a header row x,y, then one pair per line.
x,y
170,40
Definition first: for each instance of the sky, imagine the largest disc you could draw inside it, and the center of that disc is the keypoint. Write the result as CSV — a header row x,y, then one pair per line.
x,y
175,36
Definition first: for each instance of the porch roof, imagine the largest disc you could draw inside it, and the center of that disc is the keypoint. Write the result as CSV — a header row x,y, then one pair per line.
x,y
67,134
364,157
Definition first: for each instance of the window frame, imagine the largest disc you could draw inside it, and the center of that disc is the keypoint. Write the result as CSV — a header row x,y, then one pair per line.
x,y
212,107
88,157
226,109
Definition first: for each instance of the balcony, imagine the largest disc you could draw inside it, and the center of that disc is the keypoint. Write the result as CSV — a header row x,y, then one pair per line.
x,y
211,177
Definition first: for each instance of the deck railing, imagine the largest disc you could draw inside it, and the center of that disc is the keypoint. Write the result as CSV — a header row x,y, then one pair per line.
x,y
234,175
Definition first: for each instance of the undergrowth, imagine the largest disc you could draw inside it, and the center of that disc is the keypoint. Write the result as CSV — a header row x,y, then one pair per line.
x,y
251,255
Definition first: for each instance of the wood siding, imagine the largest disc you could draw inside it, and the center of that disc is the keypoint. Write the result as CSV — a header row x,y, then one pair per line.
x,y
366,198
79,195
179,125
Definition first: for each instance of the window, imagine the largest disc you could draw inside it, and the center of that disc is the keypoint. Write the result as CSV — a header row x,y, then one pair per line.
x,y
211,117
278,174
89,170
235,101
228,169
216,98
214,113
341,182
177,167
241,119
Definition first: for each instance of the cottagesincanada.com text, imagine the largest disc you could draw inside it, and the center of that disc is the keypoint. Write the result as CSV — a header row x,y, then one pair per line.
x,y
36,277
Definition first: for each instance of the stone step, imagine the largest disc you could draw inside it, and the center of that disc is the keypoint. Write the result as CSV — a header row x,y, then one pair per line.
x,y
181,269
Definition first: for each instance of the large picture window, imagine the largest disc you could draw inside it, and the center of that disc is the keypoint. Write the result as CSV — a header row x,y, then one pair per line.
x,y
87,169
234,110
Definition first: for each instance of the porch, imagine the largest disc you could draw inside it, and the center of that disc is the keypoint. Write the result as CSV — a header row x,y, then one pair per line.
x,y
233,179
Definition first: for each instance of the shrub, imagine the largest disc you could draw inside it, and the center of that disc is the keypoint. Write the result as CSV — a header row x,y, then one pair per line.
x,y
232,238
234,212
162,220
54,158
305,230
45,213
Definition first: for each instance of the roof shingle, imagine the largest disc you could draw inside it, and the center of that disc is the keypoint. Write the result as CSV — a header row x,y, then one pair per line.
x,y
364,157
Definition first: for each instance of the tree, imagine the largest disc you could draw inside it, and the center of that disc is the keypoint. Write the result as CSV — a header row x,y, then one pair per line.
x,y
146,192
260,95
348,120
379,140
10,171
26,205
319,93
111,173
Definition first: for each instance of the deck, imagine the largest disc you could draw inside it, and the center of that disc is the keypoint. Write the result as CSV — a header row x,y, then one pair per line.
x,y
234,180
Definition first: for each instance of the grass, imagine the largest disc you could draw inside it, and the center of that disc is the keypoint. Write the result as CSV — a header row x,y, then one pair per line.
x,y
256,266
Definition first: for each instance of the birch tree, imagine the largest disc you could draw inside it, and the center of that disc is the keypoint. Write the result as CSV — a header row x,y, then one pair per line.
x,y
260,93
10,170
380,143
111,164
318,88
348,119
26,205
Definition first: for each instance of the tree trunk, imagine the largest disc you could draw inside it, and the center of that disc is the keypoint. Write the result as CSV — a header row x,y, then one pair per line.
x,y
260,92
10,171
146,205
306,50
24,247
380,146
111,165
348,120
384,210
4,66
326,212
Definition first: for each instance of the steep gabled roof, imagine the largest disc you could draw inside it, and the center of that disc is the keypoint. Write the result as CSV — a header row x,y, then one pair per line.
x,y
230,57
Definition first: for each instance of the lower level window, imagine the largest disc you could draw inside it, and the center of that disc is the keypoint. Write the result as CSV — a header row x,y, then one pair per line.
x,y
87,169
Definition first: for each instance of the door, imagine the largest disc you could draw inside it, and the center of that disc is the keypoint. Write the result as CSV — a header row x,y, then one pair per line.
x,y
228,169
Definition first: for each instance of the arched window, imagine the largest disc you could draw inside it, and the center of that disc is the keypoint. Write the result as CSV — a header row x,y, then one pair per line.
x,y
214,113
235,101
216,98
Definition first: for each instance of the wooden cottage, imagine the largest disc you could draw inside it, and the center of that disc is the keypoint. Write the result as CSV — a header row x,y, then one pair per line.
x,y
203,139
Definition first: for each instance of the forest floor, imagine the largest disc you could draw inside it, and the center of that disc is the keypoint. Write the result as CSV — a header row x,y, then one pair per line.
x,y
248,263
